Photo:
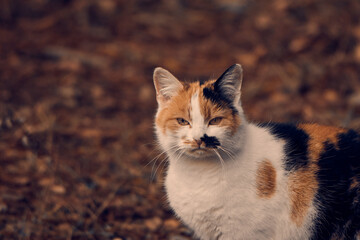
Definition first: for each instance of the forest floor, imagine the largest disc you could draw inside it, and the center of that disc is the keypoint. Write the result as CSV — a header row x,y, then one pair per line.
x,y
77,100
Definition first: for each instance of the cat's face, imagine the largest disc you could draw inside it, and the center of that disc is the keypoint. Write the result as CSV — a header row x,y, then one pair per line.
x,y
198,119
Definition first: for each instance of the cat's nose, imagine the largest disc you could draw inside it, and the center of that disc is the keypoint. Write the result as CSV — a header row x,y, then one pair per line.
x,y
198,142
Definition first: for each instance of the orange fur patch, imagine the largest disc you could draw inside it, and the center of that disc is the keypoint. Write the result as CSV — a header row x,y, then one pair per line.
x,y
303,184
319,134
302,189
177,107
266,179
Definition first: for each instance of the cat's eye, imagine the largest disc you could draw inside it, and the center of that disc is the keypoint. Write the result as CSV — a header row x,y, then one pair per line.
x,y
182,121
215,121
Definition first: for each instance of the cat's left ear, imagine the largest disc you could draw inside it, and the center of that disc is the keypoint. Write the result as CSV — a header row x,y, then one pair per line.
x,y
166,85
229,83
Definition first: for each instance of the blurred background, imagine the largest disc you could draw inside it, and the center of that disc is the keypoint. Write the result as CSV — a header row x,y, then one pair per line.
x,y
77,99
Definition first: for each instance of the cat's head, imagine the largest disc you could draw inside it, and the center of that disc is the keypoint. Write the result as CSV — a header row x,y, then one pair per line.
x,y
198,119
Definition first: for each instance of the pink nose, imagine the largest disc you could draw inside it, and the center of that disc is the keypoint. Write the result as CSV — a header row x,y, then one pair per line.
x,y
198,142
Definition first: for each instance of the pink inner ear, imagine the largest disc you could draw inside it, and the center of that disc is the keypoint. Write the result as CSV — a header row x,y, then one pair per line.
x,y
157,86
164,80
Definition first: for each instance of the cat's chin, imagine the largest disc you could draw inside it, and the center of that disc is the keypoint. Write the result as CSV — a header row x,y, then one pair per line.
x,y
199,153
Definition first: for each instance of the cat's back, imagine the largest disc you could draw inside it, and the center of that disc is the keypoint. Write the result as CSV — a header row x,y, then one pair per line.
x,y
323,165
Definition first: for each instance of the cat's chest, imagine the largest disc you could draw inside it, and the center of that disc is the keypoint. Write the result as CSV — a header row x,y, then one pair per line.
x,y
209,200
204,199
194,190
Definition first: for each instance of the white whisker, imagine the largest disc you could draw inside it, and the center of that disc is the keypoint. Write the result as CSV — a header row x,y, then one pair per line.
x,y
180,155
159,155
164,161
157,168
221,161
154,160
230,154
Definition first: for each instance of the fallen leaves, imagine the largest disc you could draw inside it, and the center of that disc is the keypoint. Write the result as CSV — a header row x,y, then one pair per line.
x,y
77,101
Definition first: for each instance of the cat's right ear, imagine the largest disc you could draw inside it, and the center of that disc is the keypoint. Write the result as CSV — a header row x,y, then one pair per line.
x,y
166,85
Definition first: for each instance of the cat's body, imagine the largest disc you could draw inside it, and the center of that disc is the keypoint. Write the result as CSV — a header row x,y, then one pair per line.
x,y
230,179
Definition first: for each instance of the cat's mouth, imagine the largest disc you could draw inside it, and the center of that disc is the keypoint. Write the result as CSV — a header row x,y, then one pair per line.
x,y
205,146
199,151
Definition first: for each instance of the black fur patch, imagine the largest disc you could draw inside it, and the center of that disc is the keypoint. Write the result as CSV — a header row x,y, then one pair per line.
x,y
218,99
338,204
296,147
215,96
210,142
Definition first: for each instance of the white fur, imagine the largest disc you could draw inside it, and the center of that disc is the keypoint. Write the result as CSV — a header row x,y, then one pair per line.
x,y
219,201
197,120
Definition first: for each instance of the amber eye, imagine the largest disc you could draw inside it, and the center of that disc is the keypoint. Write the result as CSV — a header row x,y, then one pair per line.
x,y
215,121
182,121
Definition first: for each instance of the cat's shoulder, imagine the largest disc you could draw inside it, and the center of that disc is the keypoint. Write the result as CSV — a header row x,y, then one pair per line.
x,y
312,137
304,130
307,143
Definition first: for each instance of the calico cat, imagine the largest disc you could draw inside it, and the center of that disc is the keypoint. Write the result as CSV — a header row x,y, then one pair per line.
x,y
231,179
